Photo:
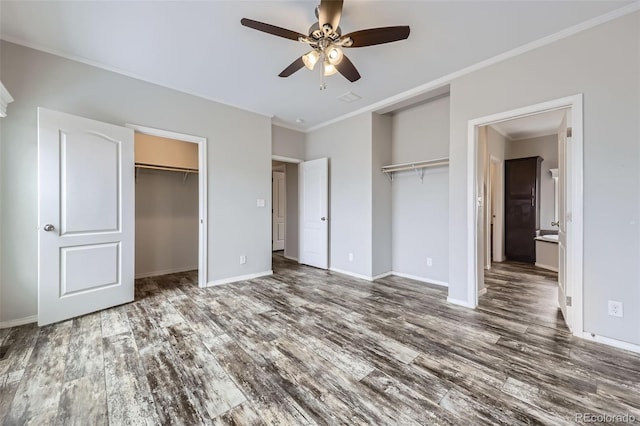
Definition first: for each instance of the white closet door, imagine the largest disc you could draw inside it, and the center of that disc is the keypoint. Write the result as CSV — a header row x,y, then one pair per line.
x,y
86,220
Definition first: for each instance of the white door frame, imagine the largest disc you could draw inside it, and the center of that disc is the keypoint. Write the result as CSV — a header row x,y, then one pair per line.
x,y
574,200
202,190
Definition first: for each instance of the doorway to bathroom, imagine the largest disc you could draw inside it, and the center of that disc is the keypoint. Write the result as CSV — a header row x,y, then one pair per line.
x,y
527,212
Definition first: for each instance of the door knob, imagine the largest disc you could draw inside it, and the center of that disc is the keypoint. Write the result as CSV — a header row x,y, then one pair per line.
x,y
323,218
49,227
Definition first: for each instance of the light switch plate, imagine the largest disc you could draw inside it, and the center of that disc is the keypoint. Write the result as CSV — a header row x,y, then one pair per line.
x,y
260,202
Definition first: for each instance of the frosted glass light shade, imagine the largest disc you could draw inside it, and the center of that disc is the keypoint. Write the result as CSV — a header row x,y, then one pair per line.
x,y
329,69
310,59
334,55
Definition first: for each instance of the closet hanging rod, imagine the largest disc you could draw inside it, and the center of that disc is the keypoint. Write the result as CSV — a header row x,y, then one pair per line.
x,y
415,165
166,168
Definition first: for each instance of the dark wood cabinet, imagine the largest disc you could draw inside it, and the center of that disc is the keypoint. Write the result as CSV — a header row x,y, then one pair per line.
x,y
521,207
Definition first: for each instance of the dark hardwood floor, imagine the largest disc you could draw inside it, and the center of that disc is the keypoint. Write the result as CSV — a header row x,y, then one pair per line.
x,y
308,346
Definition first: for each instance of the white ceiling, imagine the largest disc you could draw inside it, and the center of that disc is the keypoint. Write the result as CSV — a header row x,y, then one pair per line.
x,y
532,126
201,48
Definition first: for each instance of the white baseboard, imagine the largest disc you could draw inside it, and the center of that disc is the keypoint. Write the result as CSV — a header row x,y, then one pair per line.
x,y
543,266
165,272
384,275
238,278
460,303
291,258
352,274
611,342
19,321
421,279
482,292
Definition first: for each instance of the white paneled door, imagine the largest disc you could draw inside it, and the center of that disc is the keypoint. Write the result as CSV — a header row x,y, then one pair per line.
x,y
563,187
279,204
85,214
314,214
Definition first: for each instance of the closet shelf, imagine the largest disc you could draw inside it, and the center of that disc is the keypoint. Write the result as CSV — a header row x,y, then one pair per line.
x,y
186,172
417,166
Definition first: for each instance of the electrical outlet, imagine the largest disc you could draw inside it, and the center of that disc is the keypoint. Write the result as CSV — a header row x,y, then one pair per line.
x,y
243,259
615,308
429,261
350,257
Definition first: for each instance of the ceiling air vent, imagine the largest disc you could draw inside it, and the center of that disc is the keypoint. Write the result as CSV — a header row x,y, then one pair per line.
x,y
349,97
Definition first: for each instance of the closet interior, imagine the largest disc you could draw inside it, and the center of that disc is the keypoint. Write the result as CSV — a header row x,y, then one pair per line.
x,y
166,210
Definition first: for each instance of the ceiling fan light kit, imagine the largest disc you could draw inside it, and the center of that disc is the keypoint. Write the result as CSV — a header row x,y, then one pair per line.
x,y
327,42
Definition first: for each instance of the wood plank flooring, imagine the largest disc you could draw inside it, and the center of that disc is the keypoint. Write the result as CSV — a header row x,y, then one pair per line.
x,y
308,346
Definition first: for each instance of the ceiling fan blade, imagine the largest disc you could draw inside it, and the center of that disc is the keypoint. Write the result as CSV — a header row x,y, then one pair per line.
x,y
295,66
346,68
271,29
374,36
330,12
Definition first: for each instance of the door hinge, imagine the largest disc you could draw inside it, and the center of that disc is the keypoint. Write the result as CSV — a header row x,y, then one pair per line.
x,y
568,300
569,131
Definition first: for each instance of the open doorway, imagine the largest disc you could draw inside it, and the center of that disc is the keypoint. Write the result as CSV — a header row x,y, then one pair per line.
x,y
285,211
552,238
171,200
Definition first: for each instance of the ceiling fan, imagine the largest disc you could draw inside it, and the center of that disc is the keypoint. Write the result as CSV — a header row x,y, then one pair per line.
x,y
326,41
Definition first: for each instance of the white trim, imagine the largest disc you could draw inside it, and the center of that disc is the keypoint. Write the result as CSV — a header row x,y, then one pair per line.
x,y
352,274
286,159
278,123
20,321
575,206
421,279
383,275
295,259
165,272
459,302
99,65
416,91
202,191
611,342
482,291
543,266
435,84
5,100
238,278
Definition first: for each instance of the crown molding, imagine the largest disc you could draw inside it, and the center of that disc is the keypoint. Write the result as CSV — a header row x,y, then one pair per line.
x,y
115,70
384,104
5,100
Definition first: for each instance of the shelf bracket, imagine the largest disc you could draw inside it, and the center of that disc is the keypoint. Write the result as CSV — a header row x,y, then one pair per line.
x,y
184,177
419,173
390,176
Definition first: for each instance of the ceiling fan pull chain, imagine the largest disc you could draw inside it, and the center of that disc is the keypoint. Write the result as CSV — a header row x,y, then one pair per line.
x,y
323,85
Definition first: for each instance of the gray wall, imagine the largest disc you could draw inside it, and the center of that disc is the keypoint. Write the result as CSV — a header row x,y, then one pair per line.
x,y
420,210
603,64
547,148
347,144
381,195
287,142
239,161
291,227
166,222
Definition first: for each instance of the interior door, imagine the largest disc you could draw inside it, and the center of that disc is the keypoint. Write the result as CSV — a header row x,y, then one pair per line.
x,y
279,210
314,208
85,214
563,187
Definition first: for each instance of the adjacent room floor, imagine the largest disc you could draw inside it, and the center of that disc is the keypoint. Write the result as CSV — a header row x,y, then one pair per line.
x,y
308,346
